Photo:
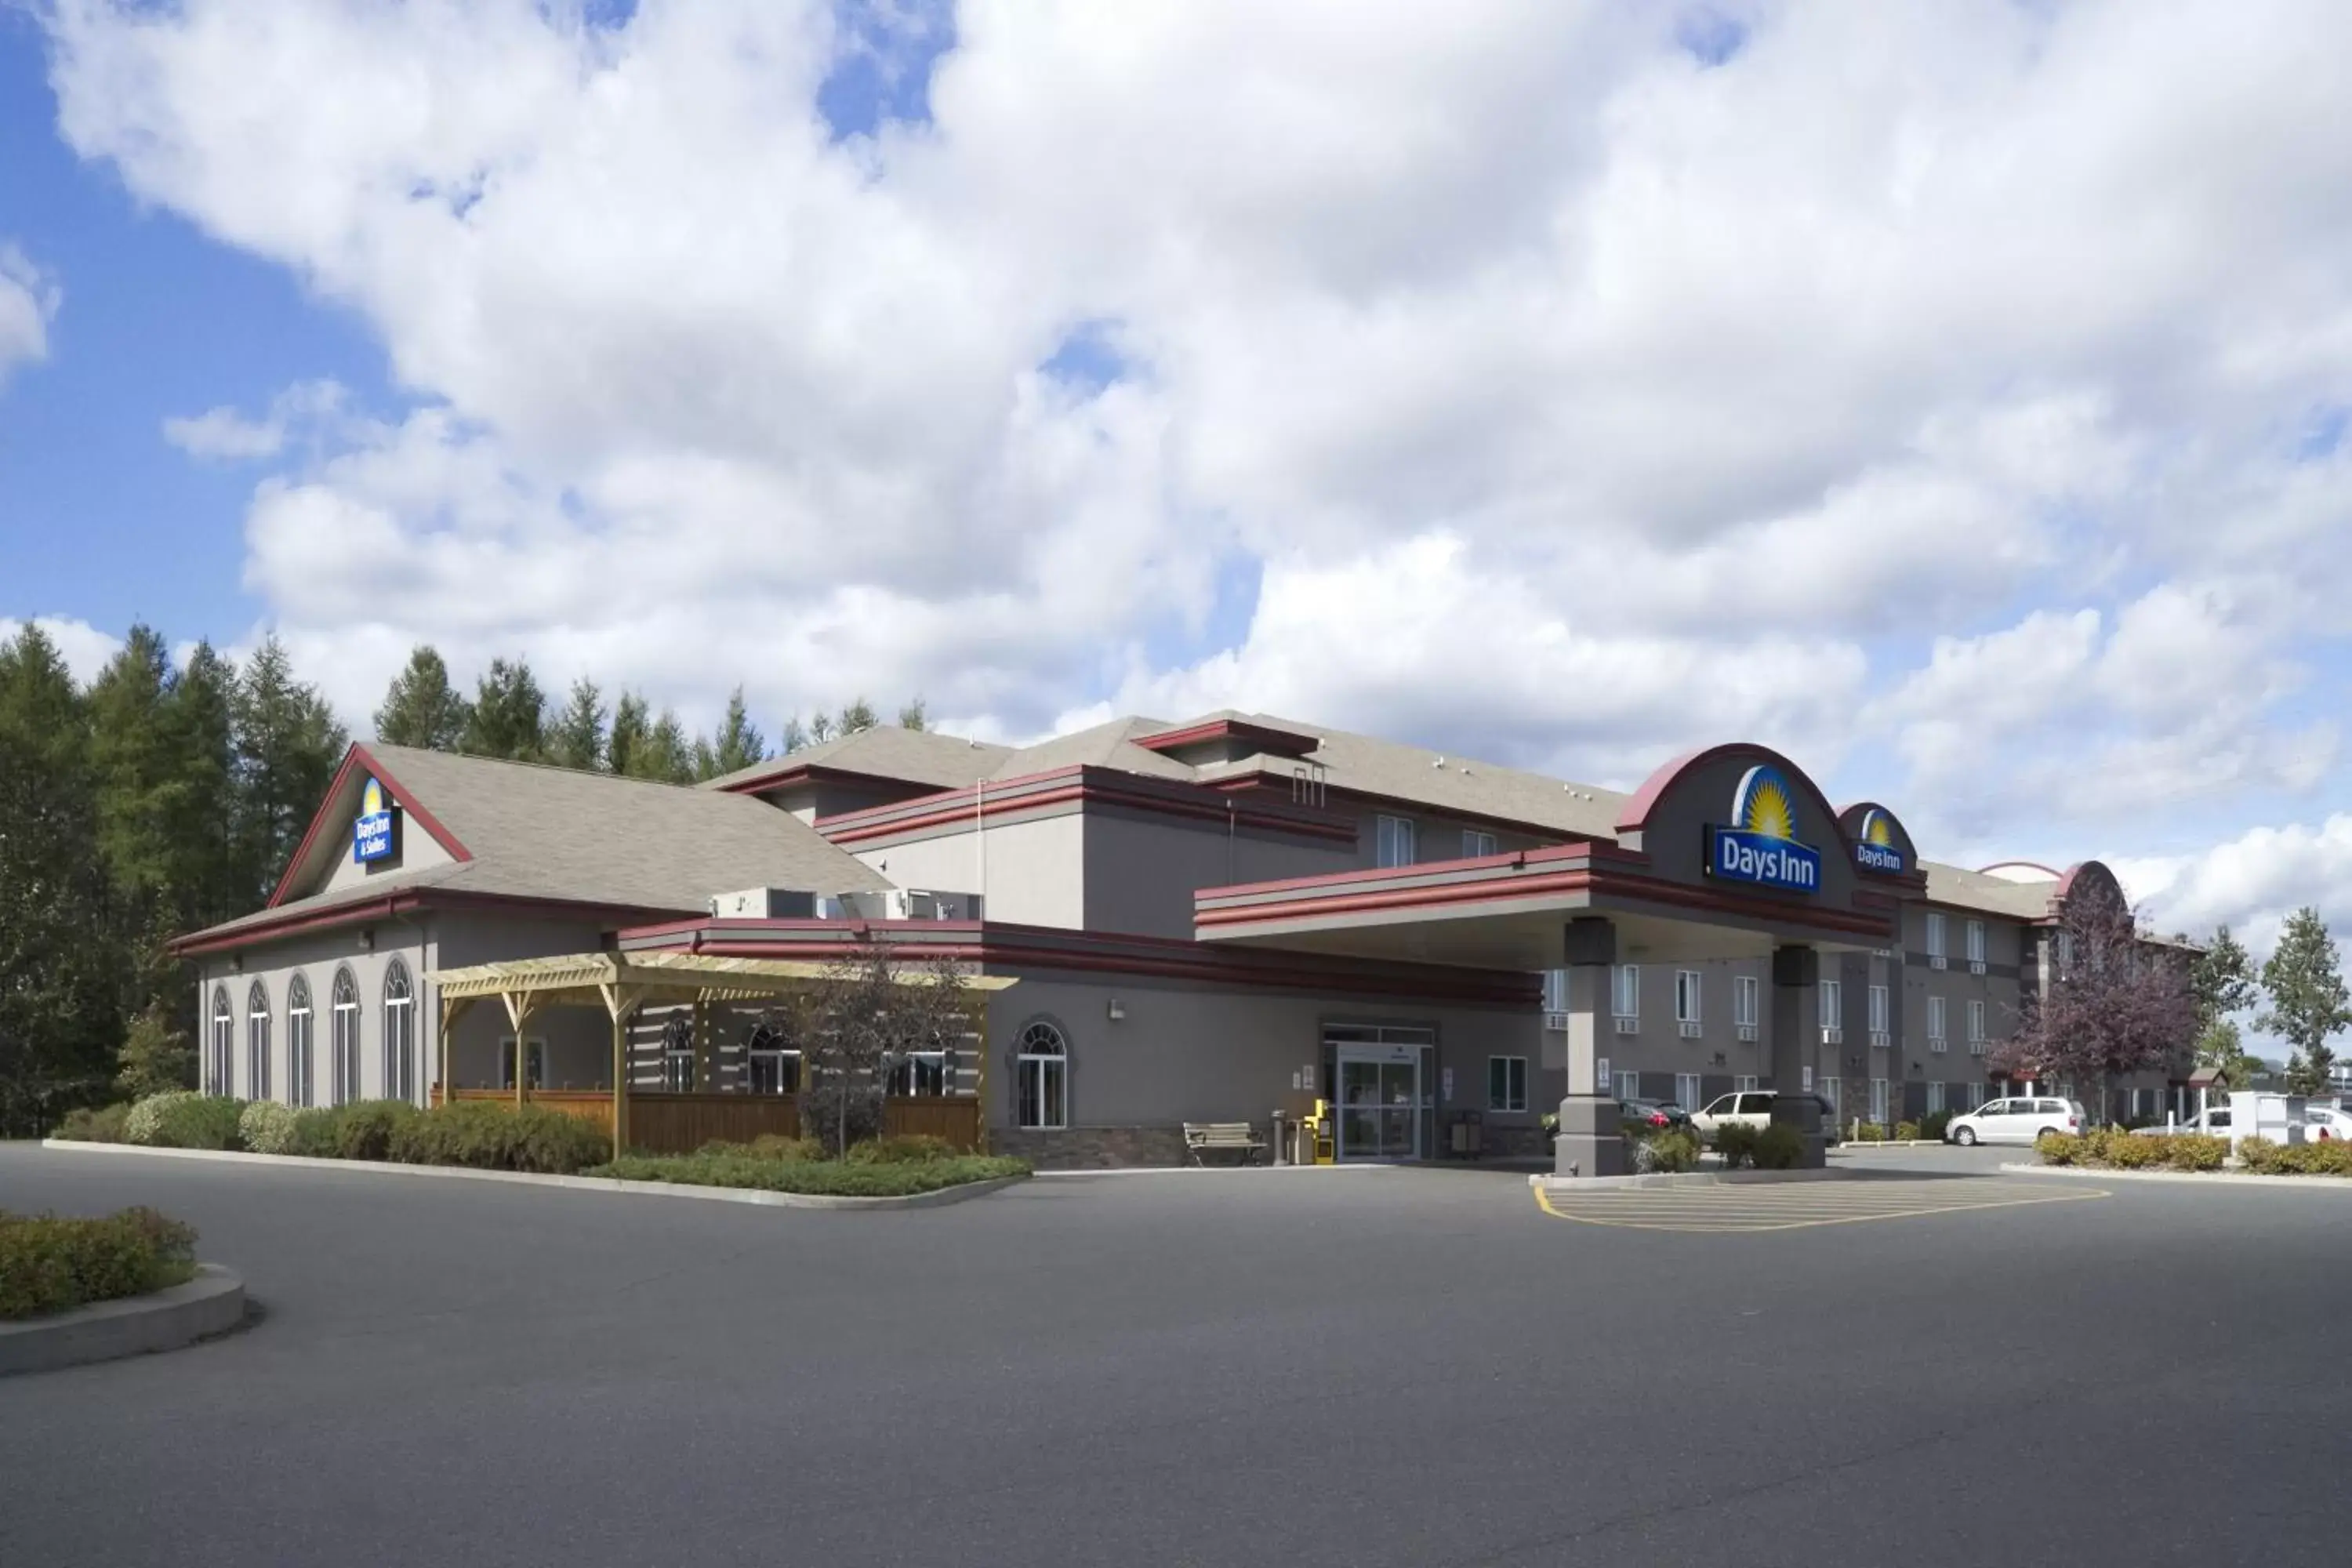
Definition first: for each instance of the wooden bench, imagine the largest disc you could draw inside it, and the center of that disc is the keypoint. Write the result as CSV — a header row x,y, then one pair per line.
x,y
1232,1137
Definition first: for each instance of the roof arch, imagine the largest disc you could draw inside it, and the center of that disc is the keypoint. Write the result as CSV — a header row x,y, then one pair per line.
x,y
1635,817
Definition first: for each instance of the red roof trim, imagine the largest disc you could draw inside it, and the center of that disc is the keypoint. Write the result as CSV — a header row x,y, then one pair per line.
x,y
1559,852
359,911
357,757
1267,778
1084,784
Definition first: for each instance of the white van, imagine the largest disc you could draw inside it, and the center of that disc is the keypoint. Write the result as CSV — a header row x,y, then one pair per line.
x,y
2020,1119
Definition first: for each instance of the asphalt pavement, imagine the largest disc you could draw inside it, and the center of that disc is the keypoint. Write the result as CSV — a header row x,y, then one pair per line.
x,y
1360,1367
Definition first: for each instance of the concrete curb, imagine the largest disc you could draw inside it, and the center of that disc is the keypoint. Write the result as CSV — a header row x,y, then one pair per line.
x,y
211,1303
1852,1144
938,1199
2201,1178
1685,1179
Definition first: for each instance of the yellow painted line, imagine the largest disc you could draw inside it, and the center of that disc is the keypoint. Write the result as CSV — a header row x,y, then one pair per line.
x,y
1697,1218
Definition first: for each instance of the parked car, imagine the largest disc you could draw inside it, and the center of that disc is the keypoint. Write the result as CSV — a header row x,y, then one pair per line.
x,y
1655,1115
2216,1123
1753,1108
2326,1123
2016,1119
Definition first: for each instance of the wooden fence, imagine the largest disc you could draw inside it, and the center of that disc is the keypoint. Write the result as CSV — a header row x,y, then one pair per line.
x,y
665,1123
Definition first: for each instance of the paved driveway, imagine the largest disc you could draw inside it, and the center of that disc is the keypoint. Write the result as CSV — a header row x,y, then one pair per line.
x,y
1325,1367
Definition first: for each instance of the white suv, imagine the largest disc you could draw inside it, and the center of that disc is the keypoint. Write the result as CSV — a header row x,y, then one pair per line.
x,y
2017,1120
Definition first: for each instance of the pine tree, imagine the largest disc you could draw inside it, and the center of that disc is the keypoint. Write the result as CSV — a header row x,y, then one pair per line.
x,y
667,755
577,740
791,737
58,964
420,707
740,744
2307,999
288,747
157,1055
859,715
913,716
206,885
136,774
2223,977
510,714
821,727
632,728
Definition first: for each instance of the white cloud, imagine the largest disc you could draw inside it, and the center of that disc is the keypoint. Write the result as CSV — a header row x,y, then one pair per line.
x,y
28,299
1576,400
224,432
83,647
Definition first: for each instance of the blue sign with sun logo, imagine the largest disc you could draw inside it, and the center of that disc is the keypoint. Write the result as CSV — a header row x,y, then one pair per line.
x,y
1875,847
373,837
1761,846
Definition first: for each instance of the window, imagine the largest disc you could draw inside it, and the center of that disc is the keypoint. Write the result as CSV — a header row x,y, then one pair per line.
x,y
1687,1090
1686,999
677,1053
1393,843
1976,1027
1934,1023
773,1060
399,1034
1878,1100
1806,1079
1935,1097
344,1039
1975,941
1833,1093
1975,1095
1744,1083
535,1060
1042,1074
919,1073
216,1065
1744,990
1832,1006
1934,940
1629,1086
297,1041
1507,1083
1474,844
1626,991
256,1043
1555,996
1878,1025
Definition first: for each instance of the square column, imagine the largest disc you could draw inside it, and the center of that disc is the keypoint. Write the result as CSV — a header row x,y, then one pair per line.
x,y
1590,1144
1796,1037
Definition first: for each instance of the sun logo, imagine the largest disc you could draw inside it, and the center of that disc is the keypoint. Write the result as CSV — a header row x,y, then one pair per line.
x,y
1764,805
372,799
1878,830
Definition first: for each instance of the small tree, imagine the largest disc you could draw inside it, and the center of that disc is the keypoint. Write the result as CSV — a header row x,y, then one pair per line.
x,y
871,1012
577,738
915,715
2119,1004
510,714
154,1057
2221,1049
2307,999
420,707
2223,977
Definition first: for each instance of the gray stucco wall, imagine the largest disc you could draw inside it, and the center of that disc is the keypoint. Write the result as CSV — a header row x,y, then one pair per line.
x,y
1142,872
369,955
1037,868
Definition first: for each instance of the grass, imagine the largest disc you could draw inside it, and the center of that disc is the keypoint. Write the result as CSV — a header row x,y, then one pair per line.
x,y
827,1178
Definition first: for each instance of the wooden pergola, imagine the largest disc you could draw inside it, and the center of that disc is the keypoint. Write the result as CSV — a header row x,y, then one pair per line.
x,y
621,984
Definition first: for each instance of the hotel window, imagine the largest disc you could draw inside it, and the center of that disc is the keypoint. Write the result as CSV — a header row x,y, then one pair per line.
x,y
1934,940
1975,941
216,1065
1935,1097
1743,1083
1833,1011
1878,1100
1744,990
1976,1095
919,1073
1626,991
1806,1081
1934,1023
297,1042
1392,841
1555,996
1878,1025
1832,1092
1976,1028
1686,999
256,1043
677,1054
535,1060
1474,844
1040,1067
1687,1090
1507,1083
399,1034
1629,1084
772,1060
344,1039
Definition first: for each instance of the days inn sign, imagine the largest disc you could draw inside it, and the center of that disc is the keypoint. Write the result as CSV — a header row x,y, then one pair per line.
x,y
1760,845
375,834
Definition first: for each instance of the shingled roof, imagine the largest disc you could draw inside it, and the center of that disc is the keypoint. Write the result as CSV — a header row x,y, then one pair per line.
x,y
885,751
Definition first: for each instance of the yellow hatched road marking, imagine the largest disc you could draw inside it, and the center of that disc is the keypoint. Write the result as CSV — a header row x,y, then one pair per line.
x,y
1756,1207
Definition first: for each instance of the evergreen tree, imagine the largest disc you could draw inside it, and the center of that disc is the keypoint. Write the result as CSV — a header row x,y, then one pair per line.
x,y
288,747
59,975
913,715
739,743
577,741
791,737
136,775
420,707
859,715
156,1056
207,887
667,755
2223,977
632,729
2307,999
821,727
2221,1048
510,714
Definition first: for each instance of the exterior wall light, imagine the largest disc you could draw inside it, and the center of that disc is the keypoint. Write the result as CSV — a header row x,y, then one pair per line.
x,y
1117,1009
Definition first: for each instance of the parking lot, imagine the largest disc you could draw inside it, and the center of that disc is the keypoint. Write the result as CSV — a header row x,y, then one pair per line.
x,y
1363,1366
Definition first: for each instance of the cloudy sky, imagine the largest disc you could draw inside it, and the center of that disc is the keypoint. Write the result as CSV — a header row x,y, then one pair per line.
x,y
1954,394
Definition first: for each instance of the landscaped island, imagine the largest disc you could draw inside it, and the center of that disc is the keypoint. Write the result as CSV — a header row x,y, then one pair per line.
x,y
51,1264
2113,1149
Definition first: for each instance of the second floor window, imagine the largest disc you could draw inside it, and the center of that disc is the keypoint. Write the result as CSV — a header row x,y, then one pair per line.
x,y
1392,841
1625,983
1934,1017
1878,1009
1743,1001
1975,1023
1934,934
1555,989
1832,1005
1685,995
1976,941
1474,844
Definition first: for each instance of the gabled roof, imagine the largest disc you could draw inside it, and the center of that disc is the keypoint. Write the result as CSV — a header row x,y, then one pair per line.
x,y
2033,899
1110,745
885,751
522,831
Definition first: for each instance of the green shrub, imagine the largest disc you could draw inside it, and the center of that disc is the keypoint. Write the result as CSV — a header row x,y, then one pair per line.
x,y
266,1127
2194,1150
766,1146
2125,1150
838,1178
316,1133
1673,1151
2059,1149
180,1118
1780,1147
103,1125
2256,1154
908,1149
367,1129
1906,1131
1870,1133
490,1136
146,1117
1736,1141
50,1264
1935,1124
2265,1157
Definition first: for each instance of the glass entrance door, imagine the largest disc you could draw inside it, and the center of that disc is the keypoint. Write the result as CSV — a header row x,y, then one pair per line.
x,y
1380,1103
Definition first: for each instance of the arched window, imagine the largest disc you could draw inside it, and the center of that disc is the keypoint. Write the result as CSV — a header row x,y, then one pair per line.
x,y
299,1071
1040,1065
344,1039
224,1044
677,1054
774,1058
399,1034
256,1043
